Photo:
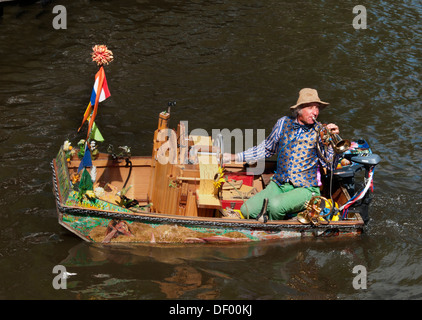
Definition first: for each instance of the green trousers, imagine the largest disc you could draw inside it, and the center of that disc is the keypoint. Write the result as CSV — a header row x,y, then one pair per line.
x,y
282,200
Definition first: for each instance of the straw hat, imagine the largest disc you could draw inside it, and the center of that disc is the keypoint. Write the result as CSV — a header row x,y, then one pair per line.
x,y
308,95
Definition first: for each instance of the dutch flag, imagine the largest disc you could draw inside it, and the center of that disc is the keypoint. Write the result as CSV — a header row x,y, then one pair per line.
x,y
105,93
100,85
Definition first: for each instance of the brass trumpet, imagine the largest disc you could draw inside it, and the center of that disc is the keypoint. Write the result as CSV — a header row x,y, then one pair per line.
x,y
328,138
313,213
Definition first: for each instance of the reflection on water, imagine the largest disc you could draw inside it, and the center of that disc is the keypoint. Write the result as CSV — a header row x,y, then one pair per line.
x,y
186,279
296,269
182,279
85,254
228,65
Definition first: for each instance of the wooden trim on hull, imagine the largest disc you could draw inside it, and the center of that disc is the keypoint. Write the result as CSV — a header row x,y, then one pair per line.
x,y
210,231
271,225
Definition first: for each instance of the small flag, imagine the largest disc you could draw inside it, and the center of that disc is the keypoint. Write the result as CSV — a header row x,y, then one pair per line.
x,y
86,160
96,134
85,184
100,85
86,115
100,79
104,92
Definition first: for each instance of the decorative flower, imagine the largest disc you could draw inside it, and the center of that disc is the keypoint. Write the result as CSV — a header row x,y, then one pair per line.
x,y
67,146
219,178
101,55
99,192
75,178
68,150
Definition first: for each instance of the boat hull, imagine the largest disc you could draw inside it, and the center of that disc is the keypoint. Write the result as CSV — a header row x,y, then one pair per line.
x,y
100,221
94,226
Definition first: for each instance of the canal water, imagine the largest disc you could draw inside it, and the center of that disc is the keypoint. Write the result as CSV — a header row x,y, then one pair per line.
x,y
227,64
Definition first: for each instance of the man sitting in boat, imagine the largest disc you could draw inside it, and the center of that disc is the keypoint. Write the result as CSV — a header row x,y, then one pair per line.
x,y
297,178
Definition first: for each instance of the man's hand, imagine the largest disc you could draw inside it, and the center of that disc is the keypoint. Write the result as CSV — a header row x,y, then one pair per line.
x,y
333,128
227,157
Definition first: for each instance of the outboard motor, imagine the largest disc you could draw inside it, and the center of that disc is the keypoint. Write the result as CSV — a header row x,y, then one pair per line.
x,y
360,199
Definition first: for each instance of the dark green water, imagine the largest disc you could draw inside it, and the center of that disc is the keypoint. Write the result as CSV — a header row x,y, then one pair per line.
x,y
228,64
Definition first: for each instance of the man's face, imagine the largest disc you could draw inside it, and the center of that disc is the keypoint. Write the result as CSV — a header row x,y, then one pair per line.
x,y
307,112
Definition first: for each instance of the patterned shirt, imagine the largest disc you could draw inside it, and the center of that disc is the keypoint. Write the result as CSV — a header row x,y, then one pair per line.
x,y
297,157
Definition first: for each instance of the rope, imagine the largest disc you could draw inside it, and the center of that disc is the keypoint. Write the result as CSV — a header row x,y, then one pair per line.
x,y
359,195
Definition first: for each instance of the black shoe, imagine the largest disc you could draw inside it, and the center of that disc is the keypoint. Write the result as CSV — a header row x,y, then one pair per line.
x,y
263,215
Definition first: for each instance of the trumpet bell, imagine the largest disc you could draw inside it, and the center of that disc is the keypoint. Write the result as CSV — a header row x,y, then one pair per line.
x,y
340,145
303,218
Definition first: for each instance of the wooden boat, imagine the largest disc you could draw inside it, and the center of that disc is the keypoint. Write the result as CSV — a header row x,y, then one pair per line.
x,y
144,199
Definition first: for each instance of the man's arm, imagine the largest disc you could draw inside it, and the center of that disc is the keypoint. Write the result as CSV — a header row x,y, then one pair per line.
x,y
328,152
264,150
